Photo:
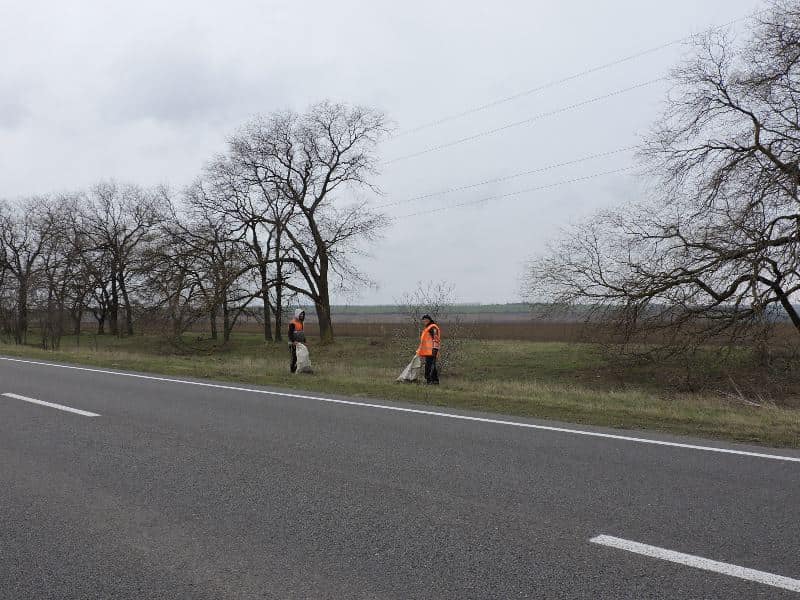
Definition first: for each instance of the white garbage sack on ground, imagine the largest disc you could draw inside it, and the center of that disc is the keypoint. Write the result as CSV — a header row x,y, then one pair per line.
x,y
411,372
303,359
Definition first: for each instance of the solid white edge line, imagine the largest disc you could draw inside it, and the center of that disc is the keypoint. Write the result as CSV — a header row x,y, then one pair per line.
x,y
597,434
77,411
698,562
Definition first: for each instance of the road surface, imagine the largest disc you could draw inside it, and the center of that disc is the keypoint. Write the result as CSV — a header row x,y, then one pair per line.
x,y
114,485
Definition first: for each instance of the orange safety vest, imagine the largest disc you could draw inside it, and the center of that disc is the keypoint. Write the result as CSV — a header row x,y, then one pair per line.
x,y
298,324
430,340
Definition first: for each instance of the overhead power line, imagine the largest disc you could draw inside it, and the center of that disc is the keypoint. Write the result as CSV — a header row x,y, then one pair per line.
x,y
567,79
517,193
532,119
505,177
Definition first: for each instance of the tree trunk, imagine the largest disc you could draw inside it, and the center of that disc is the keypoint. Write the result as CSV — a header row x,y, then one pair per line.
x,y
323,306
176,327
55,317
267,318
278,289
128,308
788,307
227,326
21,333
48,331
212,320
77,320
113,309
265,299
278,313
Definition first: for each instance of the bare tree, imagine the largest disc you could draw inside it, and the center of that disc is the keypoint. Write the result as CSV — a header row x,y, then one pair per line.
x,y
304,164
64,284
220,260
7,298
82,282
172,278
247,153
100,296
25,236
227,191
716,250
118,220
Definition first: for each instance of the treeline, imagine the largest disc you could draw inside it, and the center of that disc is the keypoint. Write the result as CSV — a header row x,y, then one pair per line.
x,y
270,221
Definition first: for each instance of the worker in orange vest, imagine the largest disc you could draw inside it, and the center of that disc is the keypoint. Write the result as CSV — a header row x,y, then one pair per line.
x,y
296,335
430,342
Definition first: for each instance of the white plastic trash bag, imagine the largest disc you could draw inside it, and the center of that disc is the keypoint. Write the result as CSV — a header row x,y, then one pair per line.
x,y
411,372
303,359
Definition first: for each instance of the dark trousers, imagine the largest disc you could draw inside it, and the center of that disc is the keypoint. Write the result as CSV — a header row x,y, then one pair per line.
x,y
431,372
293,363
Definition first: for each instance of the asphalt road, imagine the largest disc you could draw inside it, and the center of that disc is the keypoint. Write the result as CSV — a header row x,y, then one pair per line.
x,y
188,491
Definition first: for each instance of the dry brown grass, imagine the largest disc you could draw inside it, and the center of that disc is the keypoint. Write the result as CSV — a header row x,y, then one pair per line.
x,y
517,327
524,330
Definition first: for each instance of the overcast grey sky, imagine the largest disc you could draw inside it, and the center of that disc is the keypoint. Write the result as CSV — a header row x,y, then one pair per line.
x,y
148,91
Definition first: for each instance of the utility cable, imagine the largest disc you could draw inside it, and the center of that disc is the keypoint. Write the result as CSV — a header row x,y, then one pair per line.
x,y
567,79
517,193
505,177
527,121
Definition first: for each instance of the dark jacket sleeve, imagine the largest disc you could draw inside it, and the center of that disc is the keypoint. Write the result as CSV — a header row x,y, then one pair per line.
x,y
291,332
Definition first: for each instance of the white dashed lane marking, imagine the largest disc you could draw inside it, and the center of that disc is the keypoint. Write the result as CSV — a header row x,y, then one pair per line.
x,y
77,411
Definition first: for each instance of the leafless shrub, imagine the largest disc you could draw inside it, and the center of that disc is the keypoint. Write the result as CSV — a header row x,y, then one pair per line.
x,y
437,300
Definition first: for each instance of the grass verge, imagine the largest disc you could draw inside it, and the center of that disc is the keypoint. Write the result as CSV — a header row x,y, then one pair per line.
x,y
531,379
